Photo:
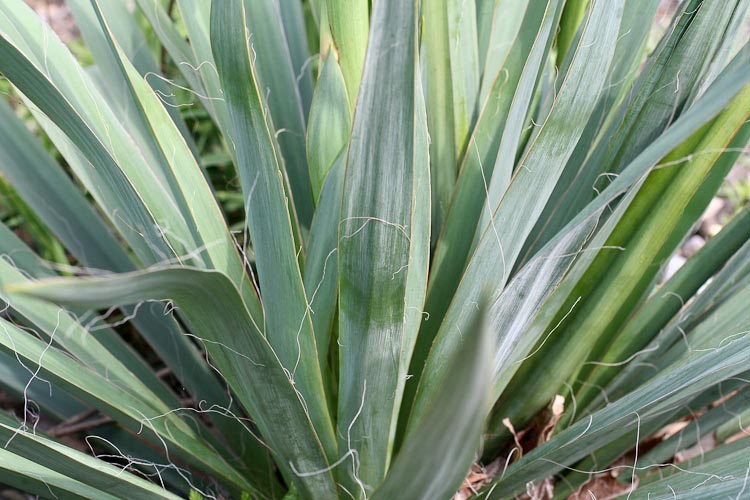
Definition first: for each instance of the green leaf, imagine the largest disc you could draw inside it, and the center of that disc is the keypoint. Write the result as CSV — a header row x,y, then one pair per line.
x,y
452,425
202,210
194,60
696,429
645,322
644,236
726,283
576,186
321,268
276,79
670,389
287,313
329,124
15,382
140,411
238,349
513,213
723,472
443,147
293,20
132,42
67,212
507,206
32,63
454,243
662,90
569,23
383,245
350,28
56,200
77,340
464,67
500,25
48,466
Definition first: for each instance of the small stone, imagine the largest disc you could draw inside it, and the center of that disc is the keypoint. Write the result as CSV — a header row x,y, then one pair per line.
x,y
713,230
692,245
711,215
674,264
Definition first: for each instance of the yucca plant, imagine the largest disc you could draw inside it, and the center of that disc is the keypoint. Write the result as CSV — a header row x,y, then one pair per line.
x,y
455,220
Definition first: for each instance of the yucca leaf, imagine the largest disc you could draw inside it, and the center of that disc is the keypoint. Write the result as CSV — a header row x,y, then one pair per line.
x,y
571,108
668,390
202,210
733,426
619,447
696,429
557,166
194,62
63,207
602,310
664,87
722,474
725,88
638,330
492,261
329,124
287,311
31,477
571,20
293,21
140,192
498,26
263,384
276,80
141,413
349,21
22,65
56,200
74,338
435,458
383,245
321,268
579,180
106,352
51,467
728,281
464,67
443,148
454,243
726,47
196,58
16,382
133,44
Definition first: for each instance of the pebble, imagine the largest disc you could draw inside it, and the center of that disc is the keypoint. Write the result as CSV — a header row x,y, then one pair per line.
x,y
692,245
711,216
674,264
